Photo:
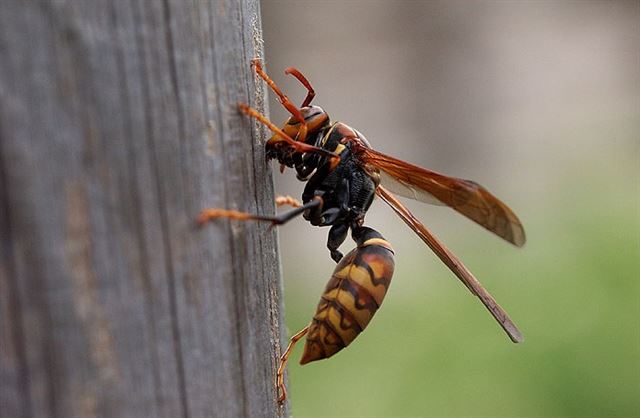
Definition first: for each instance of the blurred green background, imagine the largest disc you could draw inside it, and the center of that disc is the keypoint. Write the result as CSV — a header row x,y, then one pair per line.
x,y
540,103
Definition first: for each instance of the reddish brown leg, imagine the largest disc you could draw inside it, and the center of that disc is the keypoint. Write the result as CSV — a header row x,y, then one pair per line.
x,y
207,215
282,391
284,100
297,74
288,200
296,145
213,213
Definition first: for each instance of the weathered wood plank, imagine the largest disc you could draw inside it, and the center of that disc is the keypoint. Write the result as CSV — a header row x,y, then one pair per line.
x,y
118,123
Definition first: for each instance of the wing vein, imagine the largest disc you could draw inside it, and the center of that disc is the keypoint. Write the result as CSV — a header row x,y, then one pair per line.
x,y
464,196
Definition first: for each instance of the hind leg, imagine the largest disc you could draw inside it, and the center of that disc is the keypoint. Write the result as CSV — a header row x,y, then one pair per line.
x,y
282,391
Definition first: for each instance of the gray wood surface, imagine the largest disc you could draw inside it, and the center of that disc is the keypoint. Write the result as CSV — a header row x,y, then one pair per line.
x,y
118,123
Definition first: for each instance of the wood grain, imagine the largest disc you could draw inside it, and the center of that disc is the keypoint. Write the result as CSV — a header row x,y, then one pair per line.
x,y
118,123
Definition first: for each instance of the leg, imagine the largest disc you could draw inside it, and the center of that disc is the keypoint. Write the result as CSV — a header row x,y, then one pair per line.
x,y
314,215
288,200
337,235
288,104
337,212
310,92
208,214
296,145
282,391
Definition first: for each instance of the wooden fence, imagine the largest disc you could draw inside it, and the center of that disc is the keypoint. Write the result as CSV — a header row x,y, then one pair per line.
x,y
118,123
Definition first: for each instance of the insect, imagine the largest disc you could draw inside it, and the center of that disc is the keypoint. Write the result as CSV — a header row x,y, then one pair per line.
x,y
343,174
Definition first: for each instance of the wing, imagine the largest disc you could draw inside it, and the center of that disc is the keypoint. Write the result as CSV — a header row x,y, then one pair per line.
x,y
465,196
454,264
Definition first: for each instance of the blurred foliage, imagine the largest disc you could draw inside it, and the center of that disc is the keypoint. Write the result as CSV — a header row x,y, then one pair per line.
x,y
540,103
434,351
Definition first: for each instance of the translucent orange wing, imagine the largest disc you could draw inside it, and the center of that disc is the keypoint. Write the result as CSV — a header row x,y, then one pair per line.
x,y
465,196
454,264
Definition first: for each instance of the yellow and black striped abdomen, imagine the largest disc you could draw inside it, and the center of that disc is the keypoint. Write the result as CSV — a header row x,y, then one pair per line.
x,y
352,296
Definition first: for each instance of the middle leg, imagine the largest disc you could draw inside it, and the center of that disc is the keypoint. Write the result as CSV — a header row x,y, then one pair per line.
x,y
213,213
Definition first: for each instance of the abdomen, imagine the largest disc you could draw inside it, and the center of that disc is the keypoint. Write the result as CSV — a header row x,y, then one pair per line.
x,y
351,298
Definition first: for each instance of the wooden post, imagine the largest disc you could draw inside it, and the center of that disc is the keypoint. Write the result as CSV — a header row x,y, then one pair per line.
x,y
118,123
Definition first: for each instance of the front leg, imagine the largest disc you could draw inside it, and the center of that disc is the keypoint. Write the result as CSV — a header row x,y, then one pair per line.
x,y
297,146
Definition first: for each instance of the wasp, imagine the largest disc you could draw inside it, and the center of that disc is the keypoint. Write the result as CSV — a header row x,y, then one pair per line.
x,y
343,174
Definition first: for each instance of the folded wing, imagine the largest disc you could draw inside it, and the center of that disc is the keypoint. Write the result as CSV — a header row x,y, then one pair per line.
x,y
465,196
